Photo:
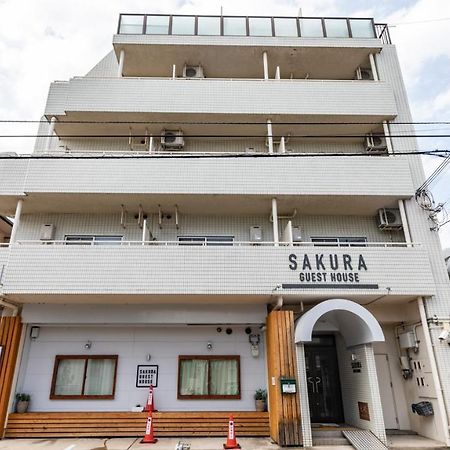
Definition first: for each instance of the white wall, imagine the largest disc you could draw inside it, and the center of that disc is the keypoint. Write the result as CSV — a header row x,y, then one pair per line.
x,y
132,344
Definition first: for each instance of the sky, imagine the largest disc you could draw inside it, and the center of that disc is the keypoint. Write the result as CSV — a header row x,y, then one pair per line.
x,y
46,40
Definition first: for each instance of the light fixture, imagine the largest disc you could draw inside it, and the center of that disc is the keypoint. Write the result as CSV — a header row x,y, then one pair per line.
x,y
34,333
148,357
209,345
88,345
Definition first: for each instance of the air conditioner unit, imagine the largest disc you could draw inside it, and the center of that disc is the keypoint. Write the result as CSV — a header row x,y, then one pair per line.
x,y
172,139
255,234
375,144
193,72
389,219
296,234
47,232
363,74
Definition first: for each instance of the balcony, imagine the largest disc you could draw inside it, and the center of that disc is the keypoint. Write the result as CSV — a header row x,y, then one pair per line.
x,y
153,43
357,185
167,271
159,100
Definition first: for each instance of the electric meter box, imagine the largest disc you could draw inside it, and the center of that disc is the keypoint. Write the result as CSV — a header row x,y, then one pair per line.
x,y
407,340
47,232
288,385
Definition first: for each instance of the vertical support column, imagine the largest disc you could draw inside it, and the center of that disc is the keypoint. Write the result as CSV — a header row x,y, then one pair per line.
x,y
275,222
16,224
387,135
373,67
269,135
282,146
281,363
401,207
265,66
121,61
277,73
10,332
174,72
51,130
302,394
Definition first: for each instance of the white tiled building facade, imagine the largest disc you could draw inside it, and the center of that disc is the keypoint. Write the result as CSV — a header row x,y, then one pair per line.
x,y
125,244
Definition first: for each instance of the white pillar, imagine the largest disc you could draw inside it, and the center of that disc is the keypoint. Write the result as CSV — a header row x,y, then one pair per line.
x,y
373,67
387,135
275,221
265,66
150,145
51,130
277,73
144,231
401,207
282,146
270,135
121,61
174,71
16,224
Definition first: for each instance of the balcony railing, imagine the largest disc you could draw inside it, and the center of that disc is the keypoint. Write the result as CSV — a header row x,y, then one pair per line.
x,y
307,27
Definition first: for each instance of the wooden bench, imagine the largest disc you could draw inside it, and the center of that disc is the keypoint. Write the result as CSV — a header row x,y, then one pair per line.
x,y
123,424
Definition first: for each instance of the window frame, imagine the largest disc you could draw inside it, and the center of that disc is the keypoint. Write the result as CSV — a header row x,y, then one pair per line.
x,y
209,358
93,239
59,358
339,241
206,240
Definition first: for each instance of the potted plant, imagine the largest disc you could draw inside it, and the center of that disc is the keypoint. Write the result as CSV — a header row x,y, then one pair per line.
x,y
22,401
260,400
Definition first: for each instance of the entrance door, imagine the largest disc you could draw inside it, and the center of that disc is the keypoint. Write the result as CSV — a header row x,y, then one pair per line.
x,y
386,392
322,377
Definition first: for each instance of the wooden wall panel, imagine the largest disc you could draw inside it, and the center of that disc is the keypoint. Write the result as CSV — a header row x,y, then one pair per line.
x,y
10,331
281,363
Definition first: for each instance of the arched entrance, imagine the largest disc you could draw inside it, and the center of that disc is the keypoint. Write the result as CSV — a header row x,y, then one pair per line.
x,y
336,364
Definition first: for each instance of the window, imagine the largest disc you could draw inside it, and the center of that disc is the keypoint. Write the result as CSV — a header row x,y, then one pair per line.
x,y
206,240
209,377
339,241
92,240
84,377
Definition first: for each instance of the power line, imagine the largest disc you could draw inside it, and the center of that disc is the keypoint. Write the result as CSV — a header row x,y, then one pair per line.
x,y
150,122
227,136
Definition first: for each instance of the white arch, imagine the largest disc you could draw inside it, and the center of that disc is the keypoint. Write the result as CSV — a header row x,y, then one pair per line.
x,y
356,324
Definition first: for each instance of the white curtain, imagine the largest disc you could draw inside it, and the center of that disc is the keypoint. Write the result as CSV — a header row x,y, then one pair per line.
x,y
69,380
193,377
224,377
100,377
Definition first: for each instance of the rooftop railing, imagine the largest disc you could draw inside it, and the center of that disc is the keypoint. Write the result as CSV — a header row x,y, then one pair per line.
x,y
276,26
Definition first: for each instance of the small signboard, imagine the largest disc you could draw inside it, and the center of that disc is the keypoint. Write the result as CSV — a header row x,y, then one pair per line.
x,y
364,411
288,386
146,376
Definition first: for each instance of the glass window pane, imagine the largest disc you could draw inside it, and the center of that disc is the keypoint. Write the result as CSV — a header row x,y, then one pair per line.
x,y
183,25
157,25
131,24
311,28
79,240
285,27
100,377
193,377
362,28
209,26
69,379
260,26
219,240
191,240
107,240
234,26
336,28
224,377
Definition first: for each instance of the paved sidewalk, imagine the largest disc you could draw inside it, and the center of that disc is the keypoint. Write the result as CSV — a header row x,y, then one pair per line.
x,y
395,442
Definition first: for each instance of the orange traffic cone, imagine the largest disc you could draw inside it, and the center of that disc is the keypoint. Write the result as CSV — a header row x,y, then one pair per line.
x,y
150,406
149,437
231,439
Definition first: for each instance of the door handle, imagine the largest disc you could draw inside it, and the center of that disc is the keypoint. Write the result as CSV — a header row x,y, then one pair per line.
x,y
311,381
318,381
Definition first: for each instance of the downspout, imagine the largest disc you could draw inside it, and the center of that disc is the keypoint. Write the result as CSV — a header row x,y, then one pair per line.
x,y
278,304
14,308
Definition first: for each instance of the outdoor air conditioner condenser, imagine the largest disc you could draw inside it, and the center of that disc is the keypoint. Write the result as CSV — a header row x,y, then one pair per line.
x,y
389,219
255,234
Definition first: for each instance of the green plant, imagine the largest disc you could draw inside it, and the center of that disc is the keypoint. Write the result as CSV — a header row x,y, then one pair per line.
x,y
260,394
23,397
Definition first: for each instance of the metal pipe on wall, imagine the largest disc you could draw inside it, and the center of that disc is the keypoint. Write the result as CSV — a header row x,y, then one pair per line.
x,y
265,66
270,135
275,221
16,224
121,62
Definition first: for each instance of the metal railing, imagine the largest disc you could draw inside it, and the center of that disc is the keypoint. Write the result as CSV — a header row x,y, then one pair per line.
x,y
214,244
258,26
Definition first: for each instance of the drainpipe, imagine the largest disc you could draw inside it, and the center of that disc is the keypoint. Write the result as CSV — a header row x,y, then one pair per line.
x,y
434,369
14,308
269,135
121,61
401,207
278,304
265,66
387,135
277,73
282,146
12,239
51,130
373,67
275,222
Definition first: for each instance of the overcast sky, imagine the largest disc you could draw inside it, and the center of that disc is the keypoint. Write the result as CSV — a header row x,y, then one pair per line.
x,y
46,40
